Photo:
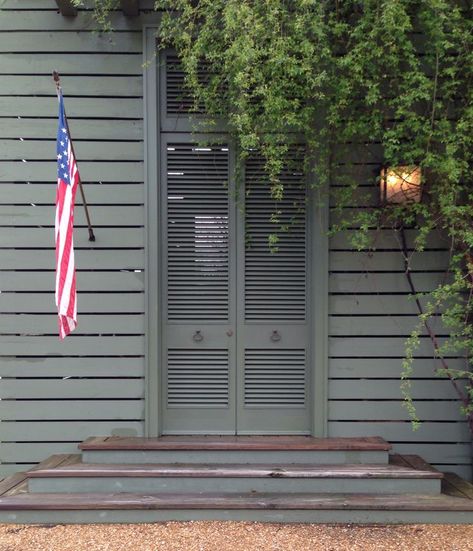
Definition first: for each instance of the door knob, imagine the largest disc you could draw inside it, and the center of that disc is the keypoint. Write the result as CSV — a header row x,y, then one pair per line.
x,y
275,336
198,337
230,332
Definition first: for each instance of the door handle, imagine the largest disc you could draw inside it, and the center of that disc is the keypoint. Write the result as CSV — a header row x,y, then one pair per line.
x,y
197,336
275,336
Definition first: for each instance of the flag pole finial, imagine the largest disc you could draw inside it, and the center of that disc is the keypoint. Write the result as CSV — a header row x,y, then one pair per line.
x,y
57,80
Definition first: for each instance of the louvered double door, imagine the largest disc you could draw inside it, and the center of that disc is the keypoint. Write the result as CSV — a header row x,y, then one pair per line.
x,y
235,319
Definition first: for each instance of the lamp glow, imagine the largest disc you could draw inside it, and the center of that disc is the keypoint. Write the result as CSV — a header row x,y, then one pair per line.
x,y
401,184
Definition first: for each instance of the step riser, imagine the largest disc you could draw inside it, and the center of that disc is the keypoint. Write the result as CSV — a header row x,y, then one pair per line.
x,y
202,484
232,456
285,516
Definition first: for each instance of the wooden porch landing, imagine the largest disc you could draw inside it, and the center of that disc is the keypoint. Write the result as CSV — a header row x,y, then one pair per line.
x,y
264,443
21,503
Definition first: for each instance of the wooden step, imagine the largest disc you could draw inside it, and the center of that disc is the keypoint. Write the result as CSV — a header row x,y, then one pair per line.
x,y
293,470
263,443
235,449
286,478
300,507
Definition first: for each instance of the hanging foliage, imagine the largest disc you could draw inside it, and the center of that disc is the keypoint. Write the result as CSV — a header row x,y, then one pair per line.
x,y
380,81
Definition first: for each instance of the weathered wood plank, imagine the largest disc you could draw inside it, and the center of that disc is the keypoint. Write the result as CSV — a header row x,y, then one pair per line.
x,y
416,462
99,85
463,471
438,453
15,389
387,261
72,367
16,149
393,410
364,196
48,431
24,452
367,368
22,106
41,215
236,501
92,64
12,482
387,239
28,5
99,345
103,194
361,305
43,238
384,282
90,303
264,443
47,410
349,217
45,171
195,470
450,489
379,325
462,486
86,259
402,431
380,347
30,324
22,20
21,488
388,389
47,41
57,460
80,128
89,281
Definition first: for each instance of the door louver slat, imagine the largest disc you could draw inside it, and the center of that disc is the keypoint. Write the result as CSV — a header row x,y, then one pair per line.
x,y
197,378
275,378
179,99
197,231
275,282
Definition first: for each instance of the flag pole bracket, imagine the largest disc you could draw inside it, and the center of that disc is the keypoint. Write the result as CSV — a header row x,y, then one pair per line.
x,y
57,81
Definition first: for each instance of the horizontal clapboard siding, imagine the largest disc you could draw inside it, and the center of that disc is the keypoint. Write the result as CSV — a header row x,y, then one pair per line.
x,y
370,318
55,394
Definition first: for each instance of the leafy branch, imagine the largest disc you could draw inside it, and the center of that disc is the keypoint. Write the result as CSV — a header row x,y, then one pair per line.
x,y
360,81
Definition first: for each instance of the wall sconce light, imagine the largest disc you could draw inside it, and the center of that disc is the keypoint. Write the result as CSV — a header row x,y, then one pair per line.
x,y
401,185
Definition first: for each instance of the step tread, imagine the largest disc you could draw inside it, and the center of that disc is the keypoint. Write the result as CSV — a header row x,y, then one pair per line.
x,y
458,486
193,470
163,501
414,461
264,443
13,483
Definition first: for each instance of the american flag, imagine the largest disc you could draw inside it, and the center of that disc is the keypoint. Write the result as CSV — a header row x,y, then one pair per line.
x,y
67,182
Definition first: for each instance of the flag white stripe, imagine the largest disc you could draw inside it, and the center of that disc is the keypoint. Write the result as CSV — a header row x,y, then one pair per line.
x,y
66,298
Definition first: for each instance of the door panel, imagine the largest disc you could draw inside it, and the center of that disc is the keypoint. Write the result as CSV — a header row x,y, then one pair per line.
x,y
235,326
273,327
199,356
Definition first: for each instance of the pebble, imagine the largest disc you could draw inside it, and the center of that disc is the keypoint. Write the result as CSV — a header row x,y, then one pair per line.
x,y
235,536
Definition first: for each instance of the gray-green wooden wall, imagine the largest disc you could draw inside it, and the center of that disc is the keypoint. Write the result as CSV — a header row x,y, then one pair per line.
x,y
55,394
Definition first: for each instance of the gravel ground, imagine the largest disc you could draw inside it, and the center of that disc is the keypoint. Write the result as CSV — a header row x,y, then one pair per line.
x,y
235,536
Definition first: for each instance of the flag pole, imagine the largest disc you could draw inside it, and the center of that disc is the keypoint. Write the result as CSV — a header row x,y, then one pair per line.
x,y
84,202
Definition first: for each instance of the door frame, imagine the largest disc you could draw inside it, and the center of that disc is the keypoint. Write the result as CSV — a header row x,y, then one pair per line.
x,y
318,224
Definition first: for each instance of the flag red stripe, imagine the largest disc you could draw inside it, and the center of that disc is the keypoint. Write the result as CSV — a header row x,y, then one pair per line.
x,y
68,179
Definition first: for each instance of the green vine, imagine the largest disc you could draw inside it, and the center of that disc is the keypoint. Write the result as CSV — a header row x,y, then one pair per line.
x,y
380,81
